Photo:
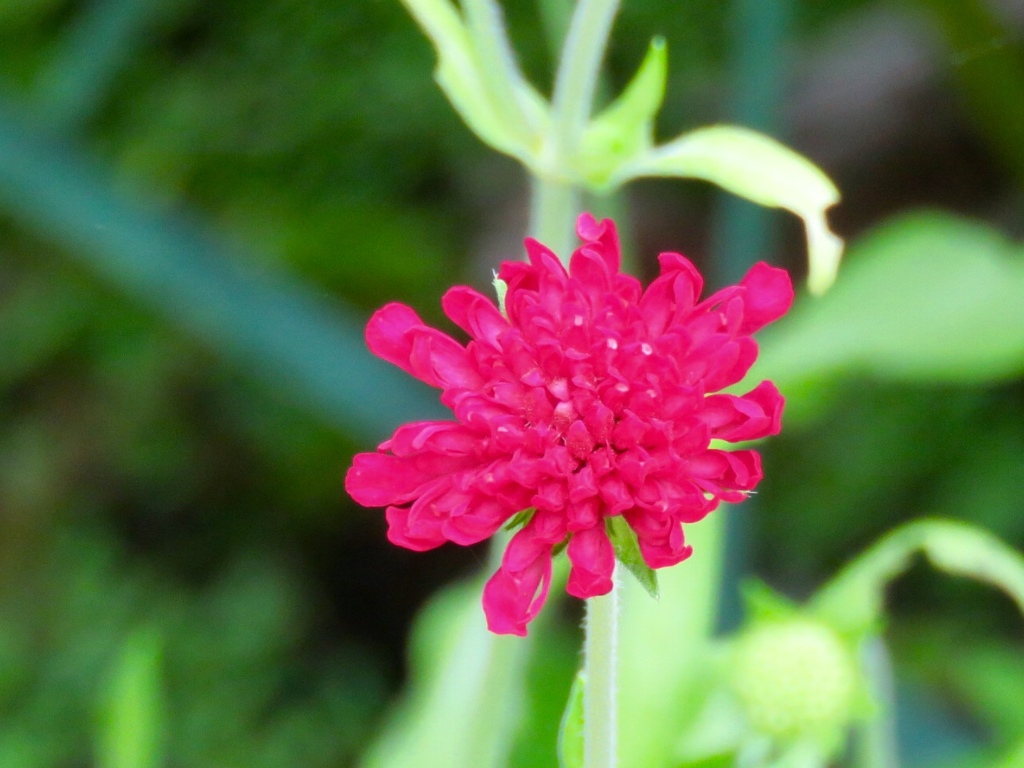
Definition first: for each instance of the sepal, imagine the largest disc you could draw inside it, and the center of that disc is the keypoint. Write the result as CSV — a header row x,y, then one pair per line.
x,y
625,129
500,289
762,603
627,552
519,519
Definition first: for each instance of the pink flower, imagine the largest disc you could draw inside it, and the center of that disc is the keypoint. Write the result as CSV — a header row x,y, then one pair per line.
x,y
592,398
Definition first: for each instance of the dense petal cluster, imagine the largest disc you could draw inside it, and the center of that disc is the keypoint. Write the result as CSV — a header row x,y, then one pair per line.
x,y
588,398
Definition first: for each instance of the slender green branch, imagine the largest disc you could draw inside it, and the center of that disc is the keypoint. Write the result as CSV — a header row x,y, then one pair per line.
x,y
578,71
554,17
875,745
556,197
600,728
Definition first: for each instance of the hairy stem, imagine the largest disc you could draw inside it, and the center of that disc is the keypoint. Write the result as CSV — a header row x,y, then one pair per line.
x,y
556,197
578,71
554,206
600,728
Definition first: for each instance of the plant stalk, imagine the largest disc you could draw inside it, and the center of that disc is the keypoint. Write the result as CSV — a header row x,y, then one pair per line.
x,y
554,207
556,196
578,70
555,203
600,720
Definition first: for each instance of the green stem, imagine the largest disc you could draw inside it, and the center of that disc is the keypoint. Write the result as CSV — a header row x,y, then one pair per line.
x,y
554,17
555,203
553,210
600,729
556,197
875,745
578,71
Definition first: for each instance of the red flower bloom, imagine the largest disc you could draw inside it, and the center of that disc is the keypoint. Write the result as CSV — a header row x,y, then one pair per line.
x,y
592,398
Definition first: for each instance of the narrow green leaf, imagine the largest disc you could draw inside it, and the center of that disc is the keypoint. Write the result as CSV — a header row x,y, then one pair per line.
x,y
570,732
757,167
627,552
516,101
626,127
854,600
460,75
131,723
520,519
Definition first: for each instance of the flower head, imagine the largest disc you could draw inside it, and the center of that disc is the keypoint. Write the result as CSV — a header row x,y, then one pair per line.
x,y
586,399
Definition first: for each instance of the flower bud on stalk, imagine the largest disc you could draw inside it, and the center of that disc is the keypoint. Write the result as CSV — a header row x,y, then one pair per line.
x,y
796,678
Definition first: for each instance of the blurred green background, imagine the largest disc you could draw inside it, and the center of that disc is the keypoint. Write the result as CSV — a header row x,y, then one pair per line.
x,y
200,203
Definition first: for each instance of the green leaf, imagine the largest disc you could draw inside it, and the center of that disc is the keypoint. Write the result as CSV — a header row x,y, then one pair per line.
x,y
570,732
854,600
759,168
466,691
627,552
626,127
460,74
553,665
927,297
131,723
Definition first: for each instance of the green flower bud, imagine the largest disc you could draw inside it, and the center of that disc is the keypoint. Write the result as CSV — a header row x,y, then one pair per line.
x,y
795,677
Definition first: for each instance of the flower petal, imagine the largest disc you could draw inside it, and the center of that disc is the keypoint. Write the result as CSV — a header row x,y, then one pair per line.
x,y
401,532
751,416
477,520
388,333
516,592
441,361
475,314
379,479
671,296
593,562
661,539
603,235
768,296
448,438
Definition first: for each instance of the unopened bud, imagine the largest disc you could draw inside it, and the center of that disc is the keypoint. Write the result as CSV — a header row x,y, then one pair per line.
x,y
795,677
